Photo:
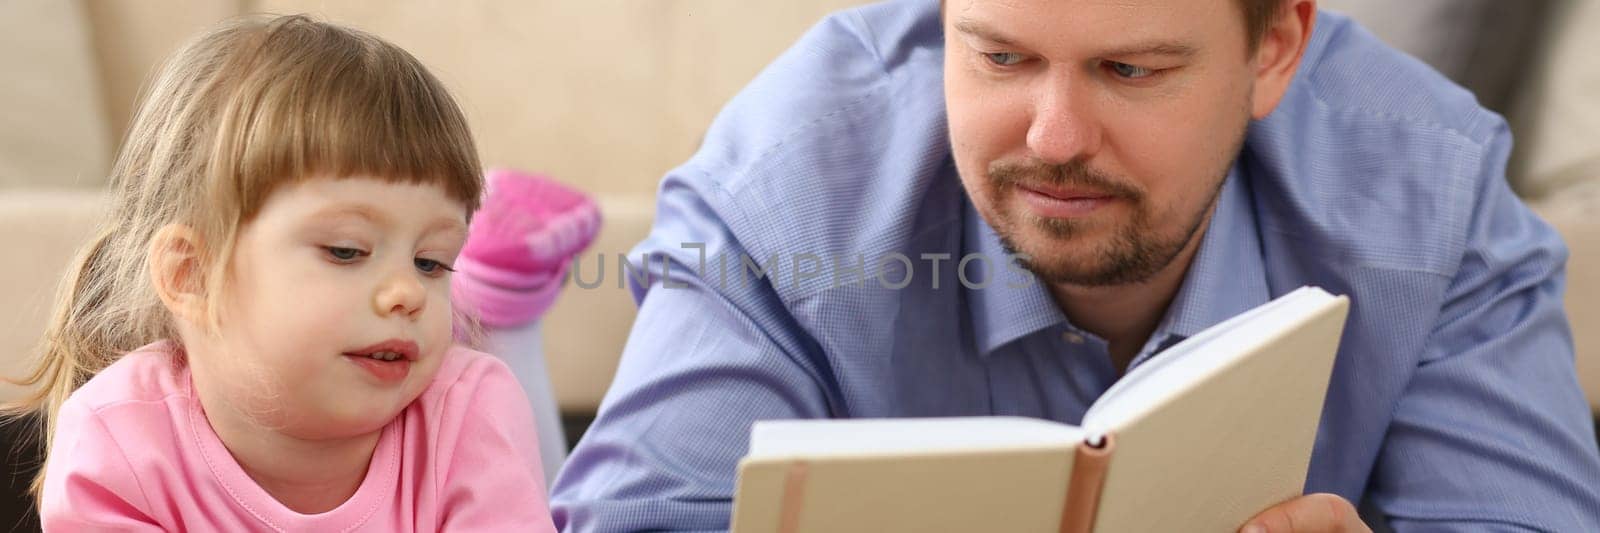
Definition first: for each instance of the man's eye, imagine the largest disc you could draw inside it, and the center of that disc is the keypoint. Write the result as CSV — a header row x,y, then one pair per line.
x,y
1127,71
1003,59
429,266
343,254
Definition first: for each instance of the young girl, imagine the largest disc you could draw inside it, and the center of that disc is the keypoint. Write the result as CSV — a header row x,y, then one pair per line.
x,y
260,337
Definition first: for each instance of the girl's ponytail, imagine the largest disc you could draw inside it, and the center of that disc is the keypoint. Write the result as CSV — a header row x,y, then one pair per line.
x,y
89,328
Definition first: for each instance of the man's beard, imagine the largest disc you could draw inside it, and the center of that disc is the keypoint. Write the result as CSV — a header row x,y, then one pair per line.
x,y
1134,254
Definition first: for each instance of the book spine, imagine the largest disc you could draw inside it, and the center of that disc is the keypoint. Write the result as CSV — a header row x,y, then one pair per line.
x,y
1083,486
793,499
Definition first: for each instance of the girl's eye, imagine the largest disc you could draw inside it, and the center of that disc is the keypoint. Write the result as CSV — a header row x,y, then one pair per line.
x,y
429,266
1003,59
344,255
1127,71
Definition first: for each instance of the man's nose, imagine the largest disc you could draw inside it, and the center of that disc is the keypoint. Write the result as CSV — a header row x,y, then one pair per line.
x,y
400,293
1065,126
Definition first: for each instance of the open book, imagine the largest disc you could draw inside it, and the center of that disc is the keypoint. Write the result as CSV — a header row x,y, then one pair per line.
x,y
1200,438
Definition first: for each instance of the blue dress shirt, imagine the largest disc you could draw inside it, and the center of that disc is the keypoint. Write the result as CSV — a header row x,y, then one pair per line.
x,y
1453,403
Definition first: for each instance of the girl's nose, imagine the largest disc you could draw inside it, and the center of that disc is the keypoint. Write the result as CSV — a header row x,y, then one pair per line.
x,y
400,294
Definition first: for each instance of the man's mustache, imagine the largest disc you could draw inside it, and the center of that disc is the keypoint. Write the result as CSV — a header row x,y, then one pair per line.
x,y
1071,175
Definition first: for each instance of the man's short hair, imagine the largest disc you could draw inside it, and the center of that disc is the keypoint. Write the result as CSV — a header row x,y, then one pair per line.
x,y
1258,16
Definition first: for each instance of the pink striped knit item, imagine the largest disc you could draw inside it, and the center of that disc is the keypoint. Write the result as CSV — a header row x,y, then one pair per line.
x,y
519,246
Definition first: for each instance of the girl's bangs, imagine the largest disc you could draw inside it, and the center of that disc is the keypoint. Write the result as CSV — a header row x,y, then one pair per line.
x,y
343,105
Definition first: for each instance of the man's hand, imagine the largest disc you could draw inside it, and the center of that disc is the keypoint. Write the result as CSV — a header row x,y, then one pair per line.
x,y
1312,513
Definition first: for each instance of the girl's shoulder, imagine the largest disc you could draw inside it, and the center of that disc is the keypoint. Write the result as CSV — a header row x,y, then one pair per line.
x,y
481,446
152,373
466,374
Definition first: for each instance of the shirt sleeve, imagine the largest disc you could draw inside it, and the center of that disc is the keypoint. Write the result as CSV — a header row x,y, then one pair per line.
x,y
708,355
1493,432
493,479
89,484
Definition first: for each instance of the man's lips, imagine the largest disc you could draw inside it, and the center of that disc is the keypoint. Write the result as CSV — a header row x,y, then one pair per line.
x,y
1063,203
1065,194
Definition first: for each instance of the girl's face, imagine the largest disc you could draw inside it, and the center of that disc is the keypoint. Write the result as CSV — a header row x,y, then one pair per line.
x,y
331,278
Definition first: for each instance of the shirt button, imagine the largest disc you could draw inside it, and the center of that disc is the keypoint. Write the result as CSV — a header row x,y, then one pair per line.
x,y
1071,337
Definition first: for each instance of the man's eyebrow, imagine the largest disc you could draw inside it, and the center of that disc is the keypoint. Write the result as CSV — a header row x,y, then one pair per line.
x,y
1152,48
976,29
1148,48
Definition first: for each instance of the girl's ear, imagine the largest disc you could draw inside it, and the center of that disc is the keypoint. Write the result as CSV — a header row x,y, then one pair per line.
x,y
176,273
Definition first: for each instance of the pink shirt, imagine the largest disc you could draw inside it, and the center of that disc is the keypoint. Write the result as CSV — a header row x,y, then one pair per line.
x,y
133,452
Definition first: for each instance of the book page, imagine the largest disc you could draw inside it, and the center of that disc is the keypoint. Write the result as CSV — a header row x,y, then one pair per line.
x,y
1198,357
1216,444
830,438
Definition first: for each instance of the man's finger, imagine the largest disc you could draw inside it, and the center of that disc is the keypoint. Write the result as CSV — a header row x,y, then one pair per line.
x,y
1313,513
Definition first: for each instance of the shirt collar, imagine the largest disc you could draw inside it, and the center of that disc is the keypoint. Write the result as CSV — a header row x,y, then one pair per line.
x,y
1228,277
1014,303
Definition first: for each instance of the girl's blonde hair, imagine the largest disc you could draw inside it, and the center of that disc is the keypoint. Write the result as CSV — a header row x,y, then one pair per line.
x,y
254,104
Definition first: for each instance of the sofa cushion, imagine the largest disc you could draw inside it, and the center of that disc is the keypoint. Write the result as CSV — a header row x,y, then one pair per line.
x,y
1575,212
53,131
45,229
587,328
1561,118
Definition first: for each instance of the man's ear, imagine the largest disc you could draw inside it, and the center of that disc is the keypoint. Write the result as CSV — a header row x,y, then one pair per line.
x,y
1278,56
175,271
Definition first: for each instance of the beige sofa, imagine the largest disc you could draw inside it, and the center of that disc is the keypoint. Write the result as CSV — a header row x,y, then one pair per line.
x,y
604,94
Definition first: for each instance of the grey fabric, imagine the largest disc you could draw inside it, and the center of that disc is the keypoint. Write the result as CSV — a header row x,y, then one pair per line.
x,y
1557,119
1487,46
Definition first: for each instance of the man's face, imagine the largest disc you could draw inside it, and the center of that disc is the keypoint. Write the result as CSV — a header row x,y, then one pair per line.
x,y
1094,135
